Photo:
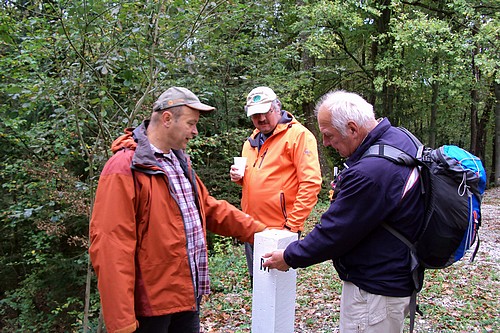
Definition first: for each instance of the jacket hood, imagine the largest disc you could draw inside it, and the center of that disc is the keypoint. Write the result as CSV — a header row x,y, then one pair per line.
x,y
143,156
287,120
124,141
136,139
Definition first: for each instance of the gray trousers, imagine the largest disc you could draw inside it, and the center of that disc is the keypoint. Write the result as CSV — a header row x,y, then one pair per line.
x,y
249,255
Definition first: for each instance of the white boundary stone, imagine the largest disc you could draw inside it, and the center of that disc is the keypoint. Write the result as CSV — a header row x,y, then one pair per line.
x,y
273,301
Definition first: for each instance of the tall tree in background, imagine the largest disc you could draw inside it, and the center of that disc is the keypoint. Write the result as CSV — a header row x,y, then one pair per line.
x,y
496,144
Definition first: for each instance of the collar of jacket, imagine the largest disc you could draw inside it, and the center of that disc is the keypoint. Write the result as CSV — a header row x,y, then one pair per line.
x,y
286,121
144,159
370,139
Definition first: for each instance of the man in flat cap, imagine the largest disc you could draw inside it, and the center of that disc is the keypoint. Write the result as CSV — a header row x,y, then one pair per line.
x,y
149,222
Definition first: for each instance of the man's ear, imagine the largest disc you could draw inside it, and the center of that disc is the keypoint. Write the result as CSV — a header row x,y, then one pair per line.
x,y
166,116
352,128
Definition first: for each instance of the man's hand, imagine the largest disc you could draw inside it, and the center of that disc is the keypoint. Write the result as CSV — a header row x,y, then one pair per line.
x,y
276,260
235,175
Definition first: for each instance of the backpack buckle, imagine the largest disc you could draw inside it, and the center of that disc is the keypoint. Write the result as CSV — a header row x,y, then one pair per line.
x,y
426,155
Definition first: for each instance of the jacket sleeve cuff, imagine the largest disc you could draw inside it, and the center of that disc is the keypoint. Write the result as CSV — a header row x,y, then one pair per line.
x,y
287,260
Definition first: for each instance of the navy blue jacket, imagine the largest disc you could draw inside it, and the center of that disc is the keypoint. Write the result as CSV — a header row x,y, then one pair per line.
x,y
350,233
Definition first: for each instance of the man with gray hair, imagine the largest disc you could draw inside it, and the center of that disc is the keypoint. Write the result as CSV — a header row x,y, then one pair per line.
x,y
374,265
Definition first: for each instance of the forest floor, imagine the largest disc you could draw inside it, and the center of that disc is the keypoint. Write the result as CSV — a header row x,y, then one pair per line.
x,y
462,298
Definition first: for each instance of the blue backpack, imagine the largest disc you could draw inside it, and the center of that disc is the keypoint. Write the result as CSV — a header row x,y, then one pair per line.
x,y
454,181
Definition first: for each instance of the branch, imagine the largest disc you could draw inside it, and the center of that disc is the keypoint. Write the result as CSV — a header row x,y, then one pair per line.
x,y
425,6
153,73
346,50
82,58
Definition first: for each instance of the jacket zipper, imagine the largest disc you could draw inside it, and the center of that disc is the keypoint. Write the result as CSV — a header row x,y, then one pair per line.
x,y
283,209
262,159
193,278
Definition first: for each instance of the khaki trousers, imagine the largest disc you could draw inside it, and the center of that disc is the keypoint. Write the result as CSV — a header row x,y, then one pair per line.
x,y
362,312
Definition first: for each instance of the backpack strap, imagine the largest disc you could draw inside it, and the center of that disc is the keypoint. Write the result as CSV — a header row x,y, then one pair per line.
x,y
413,310
391,153
412,137
414,272
413,254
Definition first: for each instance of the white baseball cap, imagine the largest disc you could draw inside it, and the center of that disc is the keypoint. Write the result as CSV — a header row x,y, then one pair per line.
x,y
259,100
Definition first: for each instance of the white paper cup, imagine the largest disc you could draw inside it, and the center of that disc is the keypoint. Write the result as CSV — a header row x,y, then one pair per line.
x,y
240,163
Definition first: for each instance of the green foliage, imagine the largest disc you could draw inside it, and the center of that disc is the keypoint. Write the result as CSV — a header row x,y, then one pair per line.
x,y
44,225
212,158
74,74
228,268
49,299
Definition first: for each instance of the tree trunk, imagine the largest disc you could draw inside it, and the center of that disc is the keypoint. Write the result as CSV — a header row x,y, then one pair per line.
x,y
308,63
482,126
100,323
87,297
473,122
474,101
378,50
496,151
434,107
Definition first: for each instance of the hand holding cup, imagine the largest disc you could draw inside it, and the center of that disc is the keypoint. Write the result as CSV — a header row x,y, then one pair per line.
x,y
238,168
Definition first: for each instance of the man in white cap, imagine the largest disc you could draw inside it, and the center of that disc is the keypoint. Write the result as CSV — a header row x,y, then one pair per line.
x,y
149,222
282,178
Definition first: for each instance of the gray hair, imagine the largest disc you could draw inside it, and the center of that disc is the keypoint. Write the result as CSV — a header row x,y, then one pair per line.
x,y
344,107
276,105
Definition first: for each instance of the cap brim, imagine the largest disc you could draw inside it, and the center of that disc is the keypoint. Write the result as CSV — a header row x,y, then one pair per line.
x,y
201,107
258,108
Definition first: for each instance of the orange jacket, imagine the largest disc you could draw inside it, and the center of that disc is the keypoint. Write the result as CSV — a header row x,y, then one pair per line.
x,y
282,181
138,244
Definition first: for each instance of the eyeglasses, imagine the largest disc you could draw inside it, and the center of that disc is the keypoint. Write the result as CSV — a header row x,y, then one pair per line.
x,y
268,113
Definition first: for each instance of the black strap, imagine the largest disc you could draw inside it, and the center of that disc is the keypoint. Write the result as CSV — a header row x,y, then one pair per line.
x,y
415,263
400,236
473,256
414,271
413,310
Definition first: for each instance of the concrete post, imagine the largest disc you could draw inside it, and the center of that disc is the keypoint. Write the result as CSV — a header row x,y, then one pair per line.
x,y
273,301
